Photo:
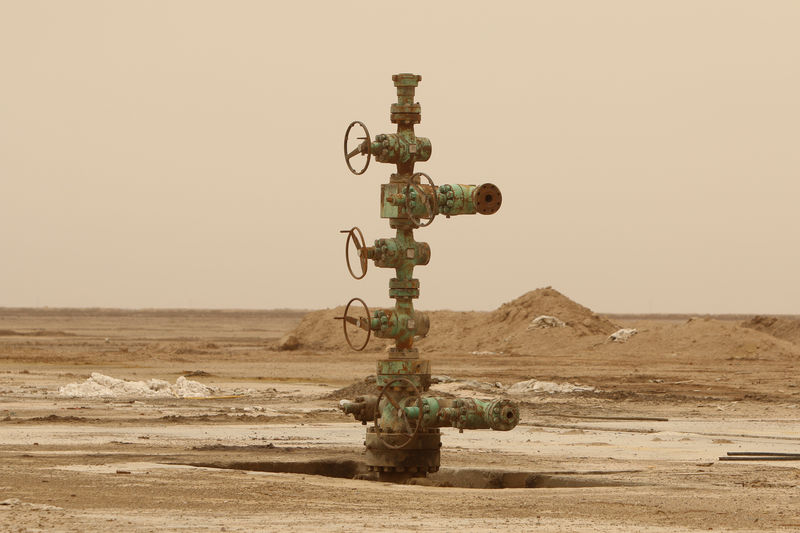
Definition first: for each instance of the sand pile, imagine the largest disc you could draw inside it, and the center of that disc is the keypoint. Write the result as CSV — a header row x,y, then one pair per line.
x,y
550,302
702,338
504,330
366,386
508,330
782,328
320,331
102,386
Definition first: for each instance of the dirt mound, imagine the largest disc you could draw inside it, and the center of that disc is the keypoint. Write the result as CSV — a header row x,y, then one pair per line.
x,y
354,390
701,338
509,328
550,302
319,330
506,329
782,328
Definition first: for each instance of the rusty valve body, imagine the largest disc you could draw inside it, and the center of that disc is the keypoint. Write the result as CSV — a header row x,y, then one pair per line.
x,y
404,441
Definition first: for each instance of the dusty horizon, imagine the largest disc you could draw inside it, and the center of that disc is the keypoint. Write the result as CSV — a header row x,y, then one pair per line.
x,y
293,310
183,154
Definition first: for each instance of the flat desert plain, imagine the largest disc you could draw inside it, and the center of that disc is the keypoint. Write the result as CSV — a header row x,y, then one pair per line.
x,y
618,436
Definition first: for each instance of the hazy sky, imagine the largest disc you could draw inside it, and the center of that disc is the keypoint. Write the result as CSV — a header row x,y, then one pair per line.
x,y
188,153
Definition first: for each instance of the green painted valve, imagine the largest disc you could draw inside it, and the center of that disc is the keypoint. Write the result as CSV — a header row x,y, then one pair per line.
x,y
405,440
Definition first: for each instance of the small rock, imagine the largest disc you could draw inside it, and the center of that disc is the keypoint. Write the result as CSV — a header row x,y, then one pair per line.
x,y
546,321
622,335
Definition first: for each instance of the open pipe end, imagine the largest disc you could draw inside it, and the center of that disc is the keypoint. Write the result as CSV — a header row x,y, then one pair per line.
x,y
487,199
503,415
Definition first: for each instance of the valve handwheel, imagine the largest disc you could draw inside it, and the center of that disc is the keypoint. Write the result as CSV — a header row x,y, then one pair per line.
x,y
430,200
363,148
409,434
361,249
361,322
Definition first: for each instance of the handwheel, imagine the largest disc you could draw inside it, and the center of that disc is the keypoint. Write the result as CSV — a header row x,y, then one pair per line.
x,y
361,322
363,148
360,245
409,434
430,200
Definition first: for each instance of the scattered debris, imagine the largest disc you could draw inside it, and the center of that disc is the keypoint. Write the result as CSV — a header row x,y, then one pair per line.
x,y
622,335
546,321
16,502
533,385
482,386
101,386
523,387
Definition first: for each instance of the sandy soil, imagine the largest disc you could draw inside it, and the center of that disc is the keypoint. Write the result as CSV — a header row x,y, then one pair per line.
x,y
638,454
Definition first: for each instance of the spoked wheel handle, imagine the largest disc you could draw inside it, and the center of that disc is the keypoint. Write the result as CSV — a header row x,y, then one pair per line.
x,y
409,434
361,149
431,201
358,241
361,322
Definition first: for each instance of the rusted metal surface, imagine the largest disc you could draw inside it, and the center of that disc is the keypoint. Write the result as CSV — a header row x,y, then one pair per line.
x,y
404,440
359,321
418,371
361,149
392,416
355,236
487,199
466,413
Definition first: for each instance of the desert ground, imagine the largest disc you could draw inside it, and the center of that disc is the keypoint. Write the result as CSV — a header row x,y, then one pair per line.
x,y
618,436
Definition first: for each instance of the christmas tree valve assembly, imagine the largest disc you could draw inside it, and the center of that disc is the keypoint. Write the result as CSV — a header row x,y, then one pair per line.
x,y
404,440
